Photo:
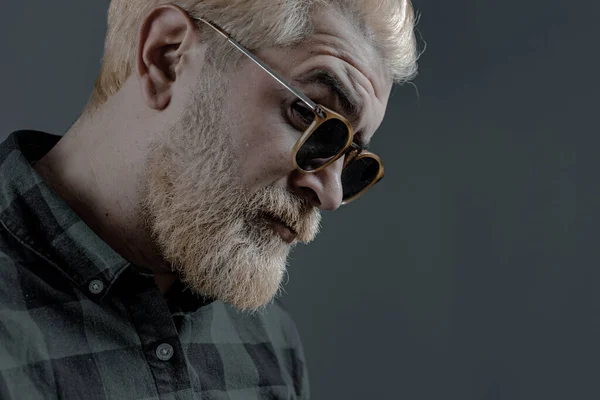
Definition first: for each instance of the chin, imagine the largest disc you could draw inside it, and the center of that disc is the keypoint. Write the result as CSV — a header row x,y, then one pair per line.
x,y
247,274
218,252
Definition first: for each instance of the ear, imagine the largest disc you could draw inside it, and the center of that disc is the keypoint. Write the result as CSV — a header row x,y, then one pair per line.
x,y
166,34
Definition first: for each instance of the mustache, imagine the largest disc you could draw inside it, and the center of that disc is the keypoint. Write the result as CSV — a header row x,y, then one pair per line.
x,y
293,210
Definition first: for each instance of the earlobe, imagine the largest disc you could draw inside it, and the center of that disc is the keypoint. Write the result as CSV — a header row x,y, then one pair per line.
x,y
162,39
155,88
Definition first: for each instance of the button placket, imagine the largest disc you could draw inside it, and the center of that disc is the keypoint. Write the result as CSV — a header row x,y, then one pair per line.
x,y
152,320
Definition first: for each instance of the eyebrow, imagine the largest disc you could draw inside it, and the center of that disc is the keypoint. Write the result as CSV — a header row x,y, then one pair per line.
x,y
351,106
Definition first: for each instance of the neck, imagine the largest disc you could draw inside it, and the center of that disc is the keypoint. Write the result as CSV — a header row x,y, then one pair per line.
x,y
100,179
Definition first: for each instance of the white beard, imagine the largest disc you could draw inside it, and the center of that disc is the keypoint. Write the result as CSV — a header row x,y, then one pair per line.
x,y
204,223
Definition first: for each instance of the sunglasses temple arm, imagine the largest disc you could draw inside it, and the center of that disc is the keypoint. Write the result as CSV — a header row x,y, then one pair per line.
x,y
275,75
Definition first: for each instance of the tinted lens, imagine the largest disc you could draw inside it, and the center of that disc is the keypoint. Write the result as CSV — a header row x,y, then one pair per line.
x,y
359,174
325,142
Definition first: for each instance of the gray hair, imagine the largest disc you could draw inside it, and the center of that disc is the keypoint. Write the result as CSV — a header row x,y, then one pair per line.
x,y
387,24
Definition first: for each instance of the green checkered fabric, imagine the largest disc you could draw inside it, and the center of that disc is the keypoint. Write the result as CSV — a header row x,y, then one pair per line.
x,y
77,321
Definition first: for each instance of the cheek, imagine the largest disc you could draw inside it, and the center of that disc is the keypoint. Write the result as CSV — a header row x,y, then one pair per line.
x,y
262,139
265,154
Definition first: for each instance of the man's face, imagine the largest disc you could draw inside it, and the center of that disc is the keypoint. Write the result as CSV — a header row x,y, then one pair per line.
x,y
223,199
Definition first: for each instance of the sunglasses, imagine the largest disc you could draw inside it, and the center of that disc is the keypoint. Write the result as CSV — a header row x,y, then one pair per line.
x,y
327,139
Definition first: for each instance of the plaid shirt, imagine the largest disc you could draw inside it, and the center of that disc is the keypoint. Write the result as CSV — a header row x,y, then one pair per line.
x,y
78,321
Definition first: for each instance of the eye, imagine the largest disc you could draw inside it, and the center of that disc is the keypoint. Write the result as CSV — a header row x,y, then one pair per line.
x,y
301,115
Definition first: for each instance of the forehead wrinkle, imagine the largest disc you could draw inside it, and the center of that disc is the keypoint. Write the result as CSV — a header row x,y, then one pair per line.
x,y
362,103
349,72
369,107
350,101
336,47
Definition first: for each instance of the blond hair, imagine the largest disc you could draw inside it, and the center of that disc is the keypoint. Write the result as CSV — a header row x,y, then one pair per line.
x,y
387,24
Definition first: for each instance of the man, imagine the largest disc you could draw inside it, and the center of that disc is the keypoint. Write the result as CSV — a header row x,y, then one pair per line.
x,y
141,252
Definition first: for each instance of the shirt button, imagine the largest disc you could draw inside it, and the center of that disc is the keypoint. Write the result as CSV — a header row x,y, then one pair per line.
x,y
164,351
96,286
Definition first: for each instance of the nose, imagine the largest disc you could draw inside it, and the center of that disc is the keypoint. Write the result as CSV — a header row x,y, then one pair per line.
x,y
324,188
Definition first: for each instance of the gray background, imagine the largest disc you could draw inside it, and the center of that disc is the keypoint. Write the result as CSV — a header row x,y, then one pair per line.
x,y
456,278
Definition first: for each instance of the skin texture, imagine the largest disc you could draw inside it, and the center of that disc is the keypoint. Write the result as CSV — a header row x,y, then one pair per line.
x,y
177,170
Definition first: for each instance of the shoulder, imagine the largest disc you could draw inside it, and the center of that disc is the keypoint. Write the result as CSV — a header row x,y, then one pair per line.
x,y
280,317
271,338
10,275
18,285
21,339
272,324
27,284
